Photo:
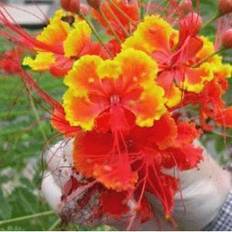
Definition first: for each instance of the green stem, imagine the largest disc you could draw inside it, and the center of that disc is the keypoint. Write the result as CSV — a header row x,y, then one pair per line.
x,y
142,9
215,17
54,225
42,214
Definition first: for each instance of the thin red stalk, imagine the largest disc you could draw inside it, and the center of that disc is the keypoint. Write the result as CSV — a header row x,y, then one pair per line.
x,y
118,21
110,26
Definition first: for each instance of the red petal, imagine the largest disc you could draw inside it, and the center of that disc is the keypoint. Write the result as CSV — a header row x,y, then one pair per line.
x,y
61,66
114,203
184,158
224,117
91,149
187,133
164,132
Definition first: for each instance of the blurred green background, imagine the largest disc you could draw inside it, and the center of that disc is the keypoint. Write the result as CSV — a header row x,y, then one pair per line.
x,y
25,133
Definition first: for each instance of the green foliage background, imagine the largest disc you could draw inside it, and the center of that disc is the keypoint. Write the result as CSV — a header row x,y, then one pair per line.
x,y
24,134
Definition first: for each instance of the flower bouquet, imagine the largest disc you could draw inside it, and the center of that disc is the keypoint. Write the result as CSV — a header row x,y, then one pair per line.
x,y
133,72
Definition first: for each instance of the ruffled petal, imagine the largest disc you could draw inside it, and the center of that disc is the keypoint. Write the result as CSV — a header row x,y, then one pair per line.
x,y
154,34
42,61
137,67
196,78
80,111
185,158
117,174
56,31
77,39
83,76
164,132
91,149
186,134
149,107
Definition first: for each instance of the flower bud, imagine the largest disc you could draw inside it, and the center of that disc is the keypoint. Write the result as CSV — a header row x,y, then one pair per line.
x,y
225,6
194,22
94,3
227,39
186,6
71,5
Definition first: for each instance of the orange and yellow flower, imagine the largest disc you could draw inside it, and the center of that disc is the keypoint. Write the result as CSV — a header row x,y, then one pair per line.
x,y
112,87
179,60
67,41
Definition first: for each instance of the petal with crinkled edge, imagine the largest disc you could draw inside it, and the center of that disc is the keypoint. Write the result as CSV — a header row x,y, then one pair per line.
x,y
153,34
149,107
77,39
83,75
110,69
80,111
137,66
117,175
42,61
174,96
196,78
56,31
91,149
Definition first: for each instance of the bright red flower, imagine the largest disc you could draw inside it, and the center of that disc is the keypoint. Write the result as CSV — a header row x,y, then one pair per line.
x,y
10,61
138,161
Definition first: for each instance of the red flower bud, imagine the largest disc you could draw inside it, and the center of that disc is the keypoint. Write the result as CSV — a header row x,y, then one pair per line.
x,y
186,6
71,5
94,3
192,22
227,39
225,6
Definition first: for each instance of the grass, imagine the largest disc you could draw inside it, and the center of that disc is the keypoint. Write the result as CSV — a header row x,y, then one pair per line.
x,y
24,130
22,137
